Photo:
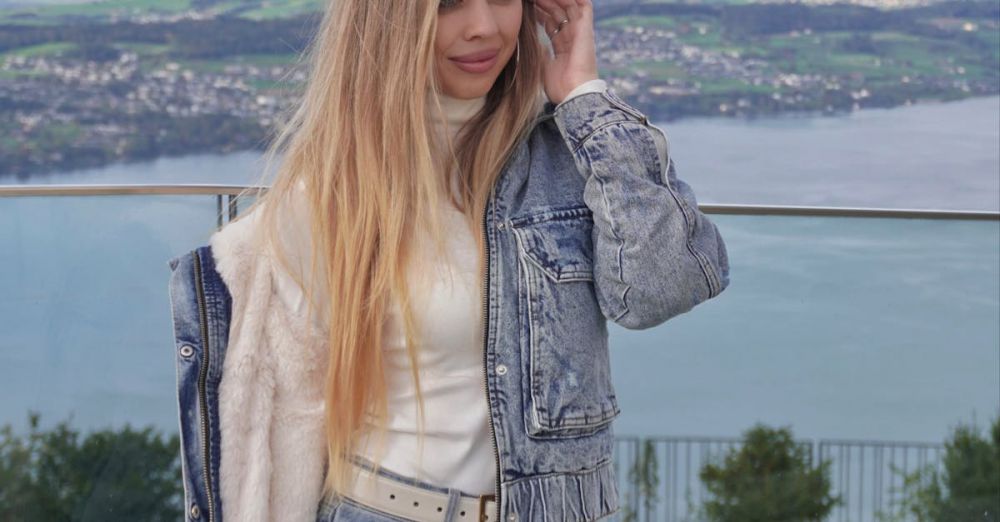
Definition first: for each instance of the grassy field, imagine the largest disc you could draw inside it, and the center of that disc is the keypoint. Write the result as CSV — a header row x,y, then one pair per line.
x,y
40,50
658,22
153,56
253,9
656,70
106,8
899,54
216,66
144,49
894,54
49,49
285,8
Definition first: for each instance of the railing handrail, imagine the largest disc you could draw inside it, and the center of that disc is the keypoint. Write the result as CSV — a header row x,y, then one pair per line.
x,y
708,208
801,440
208,189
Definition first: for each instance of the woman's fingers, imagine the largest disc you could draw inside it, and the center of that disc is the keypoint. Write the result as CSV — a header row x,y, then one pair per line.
x,y
565,9
543,17
569,26
553,13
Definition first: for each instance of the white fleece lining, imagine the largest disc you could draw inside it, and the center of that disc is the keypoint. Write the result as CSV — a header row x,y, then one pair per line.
x,y
270,397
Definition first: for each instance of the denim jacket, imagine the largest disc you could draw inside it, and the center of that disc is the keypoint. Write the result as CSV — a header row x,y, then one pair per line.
x,y
588,222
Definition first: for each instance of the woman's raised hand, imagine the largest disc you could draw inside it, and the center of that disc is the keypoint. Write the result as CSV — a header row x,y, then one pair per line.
x,y
575,57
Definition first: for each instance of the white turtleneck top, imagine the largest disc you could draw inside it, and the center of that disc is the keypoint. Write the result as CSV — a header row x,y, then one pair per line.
x,y
458,450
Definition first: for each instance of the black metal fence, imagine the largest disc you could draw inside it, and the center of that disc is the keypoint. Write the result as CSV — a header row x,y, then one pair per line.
x,y
659,480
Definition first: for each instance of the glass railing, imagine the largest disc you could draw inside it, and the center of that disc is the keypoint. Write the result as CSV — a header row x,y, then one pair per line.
x,y
849,346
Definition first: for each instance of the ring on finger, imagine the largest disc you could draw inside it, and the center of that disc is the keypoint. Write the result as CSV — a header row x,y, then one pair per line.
x,y
560,26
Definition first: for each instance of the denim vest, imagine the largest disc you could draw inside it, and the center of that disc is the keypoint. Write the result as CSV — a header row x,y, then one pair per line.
x,y
588,222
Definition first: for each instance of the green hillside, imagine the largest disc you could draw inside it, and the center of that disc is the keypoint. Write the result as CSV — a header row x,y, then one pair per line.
x,y
107,9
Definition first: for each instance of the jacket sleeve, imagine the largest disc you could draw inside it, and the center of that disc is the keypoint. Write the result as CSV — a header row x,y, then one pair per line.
x,y
656,255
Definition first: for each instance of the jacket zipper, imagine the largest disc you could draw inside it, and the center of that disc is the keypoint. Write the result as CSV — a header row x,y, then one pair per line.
x,y
485,321
202,378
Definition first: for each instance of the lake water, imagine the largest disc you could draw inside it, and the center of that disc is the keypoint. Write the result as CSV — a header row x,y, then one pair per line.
x,y
936,155
840,328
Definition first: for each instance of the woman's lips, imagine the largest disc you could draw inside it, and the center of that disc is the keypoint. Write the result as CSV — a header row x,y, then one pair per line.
x,y
476,67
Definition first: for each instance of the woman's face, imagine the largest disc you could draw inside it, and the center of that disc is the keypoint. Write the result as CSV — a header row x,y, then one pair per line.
x,y
469,27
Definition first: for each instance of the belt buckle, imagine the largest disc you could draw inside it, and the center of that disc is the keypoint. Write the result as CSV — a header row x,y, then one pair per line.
x,y
482,505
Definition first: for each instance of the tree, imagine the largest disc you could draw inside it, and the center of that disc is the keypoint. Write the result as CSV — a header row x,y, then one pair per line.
x,y
104,475
968,488
643,477
770,478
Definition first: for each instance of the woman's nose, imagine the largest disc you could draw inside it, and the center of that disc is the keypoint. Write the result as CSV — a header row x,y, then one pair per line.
x,y
479,19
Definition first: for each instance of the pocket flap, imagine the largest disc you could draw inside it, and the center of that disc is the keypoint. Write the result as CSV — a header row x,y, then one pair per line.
x,y
559,243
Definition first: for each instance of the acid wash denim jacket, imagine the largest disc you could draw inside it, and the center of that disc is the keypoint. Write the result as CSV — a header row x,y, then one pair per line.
x,y
588,222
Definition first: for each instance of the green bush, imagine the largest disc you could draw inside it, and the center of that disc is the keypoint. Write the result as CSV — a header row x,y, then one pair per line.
x,y
768,479
644,478
59,475
967,488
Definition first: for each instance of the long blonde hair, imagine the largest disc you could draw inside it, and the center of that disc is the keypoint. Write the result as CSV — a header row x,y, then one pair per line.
x,y
359,148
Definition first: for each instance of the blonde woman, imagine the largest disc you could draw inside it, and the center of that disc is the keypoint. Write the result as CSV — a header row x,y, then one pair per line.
x,y
411,324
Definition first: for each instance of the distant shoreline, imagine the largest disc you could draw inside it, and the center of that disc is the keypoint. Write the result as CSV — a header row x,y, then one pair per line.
x,y
798,115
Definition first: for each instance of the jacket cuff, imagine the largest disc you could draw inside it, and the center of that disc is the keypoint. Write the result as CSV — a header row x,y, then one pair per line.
x,y
580,116
597,85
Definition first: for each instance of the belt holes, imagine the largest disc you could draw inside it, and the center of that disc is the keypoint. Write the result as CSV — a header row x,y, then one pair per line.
x,y
463,513
439,508
392,496
415,503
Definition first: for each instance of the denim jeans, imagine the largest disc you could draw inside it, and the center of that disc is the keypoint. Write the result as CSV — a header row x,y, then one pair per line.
x,y
342,509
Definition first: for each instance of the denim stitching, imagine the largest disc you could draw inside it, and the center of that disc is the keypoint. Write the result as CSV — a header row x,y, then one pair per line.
x,y
699,256
560,276
706,265
621,104
189,494
689,219
552,214
614,233
604,125
614,118
711,278
603,463
537,407
531,333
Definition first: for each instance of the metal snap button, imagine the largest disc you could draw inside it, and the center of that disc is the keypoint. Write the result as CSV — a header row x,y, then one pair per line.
x,y
501,369
512,517
500,225
187,351
195,510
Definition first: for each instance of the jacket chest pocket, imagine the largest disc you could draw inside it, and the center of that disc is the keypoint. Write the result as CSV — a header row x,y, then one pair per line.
x,y
569,388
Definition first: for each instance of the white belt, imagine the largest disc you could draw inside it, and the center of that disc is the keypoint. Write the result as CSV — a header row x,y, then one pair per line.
x,y
415,503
